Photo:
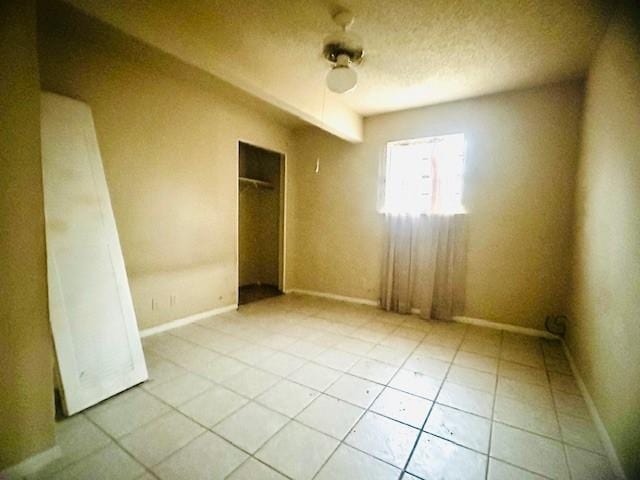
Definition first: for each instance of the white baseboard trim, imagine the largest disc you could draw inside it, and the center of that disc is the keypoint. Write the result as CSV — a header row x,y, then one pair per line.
x,y
506,327
341,298
180,322
595,416
32,464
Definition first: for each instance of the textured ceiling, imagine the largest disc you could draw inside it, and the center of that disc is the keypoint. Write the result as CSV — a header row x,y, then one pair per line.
x,y
417,52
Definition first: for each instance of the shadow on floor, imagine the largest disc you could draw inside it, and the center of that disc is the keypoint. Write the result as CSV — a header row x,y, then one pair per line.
x,y
253,293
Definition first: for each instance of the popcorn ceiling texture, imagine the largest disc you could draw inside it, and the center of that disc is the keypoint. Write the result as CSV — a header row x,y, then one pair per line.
x,y
417,52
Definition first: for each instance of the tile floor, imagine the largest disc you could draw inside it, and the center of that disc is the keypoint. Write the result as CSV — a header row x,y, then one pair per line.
x,y
298,387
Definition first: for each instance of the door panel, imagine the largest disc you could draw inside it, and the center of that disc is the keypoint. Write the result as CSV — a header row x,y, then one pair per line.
x,y
92,318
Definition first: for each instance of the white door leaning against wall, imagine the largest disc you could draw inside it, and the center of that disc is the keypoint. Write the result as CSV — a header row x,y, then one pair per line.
x,y
93,323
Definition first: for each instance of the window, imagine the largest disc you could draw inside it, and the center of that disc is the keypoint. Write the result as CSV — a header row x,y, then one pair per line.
x,y
424,176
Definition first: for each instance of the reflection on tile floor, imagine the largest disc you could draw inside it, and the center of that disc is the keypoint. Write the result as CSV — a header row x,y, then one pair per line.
x,y
299,387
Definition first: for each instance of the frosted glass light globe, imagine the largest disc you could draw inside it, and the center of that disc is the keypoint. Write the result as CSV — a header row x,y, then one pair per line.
x,y
341,79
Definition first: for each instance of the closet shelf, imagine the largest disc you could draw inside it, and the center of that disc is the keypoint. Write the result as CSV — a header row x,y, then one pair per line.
x,y
255,182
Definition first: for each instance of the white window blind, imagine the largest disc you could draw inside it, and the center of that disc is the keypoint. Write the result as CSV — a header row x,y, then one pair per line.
x,y
424,176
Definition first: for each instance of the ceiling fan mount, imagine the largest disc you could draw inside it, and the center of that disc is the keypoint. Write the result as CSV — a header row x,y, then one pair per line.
x,y
343,42
343,50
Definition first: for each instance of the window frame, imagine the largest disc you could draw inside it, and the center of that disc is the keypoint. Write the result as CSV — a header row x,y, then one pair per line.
x,y
386,169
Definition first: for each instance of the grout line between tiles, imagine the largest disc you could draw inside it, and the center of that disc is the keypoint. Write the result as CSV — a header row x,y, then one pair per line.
x,y
493,410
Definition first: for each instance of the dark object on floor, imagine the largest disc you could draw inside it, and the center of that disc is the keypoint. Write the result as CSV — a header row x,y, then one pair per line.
x,y
253,293
556,325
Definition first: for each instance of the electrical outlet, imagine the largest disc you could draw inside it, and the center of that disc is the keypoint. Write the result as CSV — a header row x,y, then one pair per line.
x,y
154,304
172,300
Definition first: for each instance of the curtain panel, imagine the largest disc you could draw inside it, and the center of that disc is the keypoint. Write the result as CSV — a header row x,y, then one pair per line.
x,y
424,265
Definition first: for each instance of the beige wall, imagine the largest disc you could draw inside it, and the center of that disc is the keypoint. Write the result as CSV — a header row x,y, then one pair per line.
x,y
604,334
259,218
519,183
26,359
169,148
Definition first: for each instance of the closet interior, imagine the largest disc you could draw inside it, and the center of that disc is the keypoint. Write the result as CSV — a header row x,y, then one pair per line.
x,y
260,223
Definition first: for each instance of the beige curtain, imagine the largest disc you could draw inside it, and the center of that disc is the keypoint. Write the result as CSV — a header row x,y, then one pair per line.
x,y
424,265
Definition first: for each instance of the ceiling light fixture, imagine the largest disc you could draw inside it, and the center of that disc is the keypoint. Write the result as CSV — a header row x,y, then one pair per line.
x,y
344,50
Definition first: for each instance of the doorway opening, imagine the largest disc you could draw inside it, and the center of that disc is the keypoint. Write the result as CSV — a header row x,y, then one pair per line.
x,y
260,223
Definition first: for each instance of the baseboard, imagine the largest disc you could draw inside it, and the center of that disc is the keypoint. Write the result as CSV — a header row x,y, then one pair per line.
x,y
341,298
181,322
32,464
595,416
506,327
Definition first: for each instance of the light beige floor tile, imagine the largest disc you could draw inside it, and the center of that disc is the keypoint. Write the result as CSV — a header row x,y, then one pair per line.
x,y
586,465
212,406
526,355
147,476
530,451
161,370
251,382
490,348
527,417
220,369
297,451
460,427
252,469
477,362
467,399
573,405
563,383
399,343
369,335
304,349
531,394
468,377
158,439
253,336
282,364
503,471
337,359
373,370
389,355
278,341
421,362
383,438
180,389
355,390
349,464
523,373
77,437
437,352
208,457
331,416
558,364
410,333
580,433
355,346
416,383
110,463
287,398
126,412
438,458
315,376
253,354
401,406
251,426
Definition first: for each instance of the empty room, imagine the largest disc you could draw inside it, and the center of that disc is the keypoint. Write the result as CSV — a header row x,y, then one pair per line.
x,y
318,240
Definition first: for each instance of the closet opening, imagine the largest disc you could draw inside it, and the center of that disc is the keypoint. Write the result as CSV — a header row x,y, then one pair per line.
x,y
260,223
